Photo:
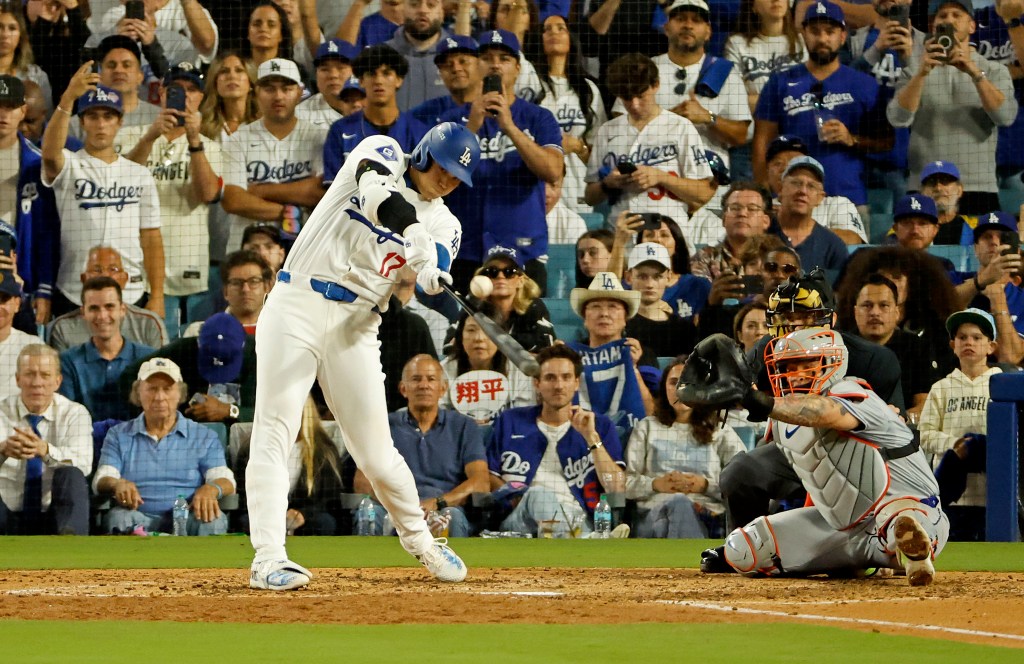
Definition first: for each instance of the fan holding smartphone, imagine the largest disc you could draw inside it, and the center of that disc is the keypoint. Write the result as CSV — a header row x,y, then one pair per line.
x,y
891,31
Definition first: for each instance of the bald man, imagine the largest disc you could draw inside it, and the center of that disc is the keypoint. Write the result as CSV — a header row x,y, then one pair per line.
x,y
139,325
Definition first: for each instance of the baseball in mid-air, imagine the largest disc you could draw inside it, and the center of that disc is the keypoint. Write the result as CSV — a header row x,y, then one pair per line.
x,y
481,286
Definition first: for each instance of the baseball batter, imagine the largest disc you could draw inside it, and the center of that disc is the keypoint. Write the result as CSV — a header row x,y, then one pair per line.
x,y
875,498
320,321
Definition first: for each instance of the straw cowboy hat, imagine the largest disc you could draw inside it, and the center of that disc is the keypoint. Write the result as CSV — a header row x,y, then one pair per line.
x,y
605,286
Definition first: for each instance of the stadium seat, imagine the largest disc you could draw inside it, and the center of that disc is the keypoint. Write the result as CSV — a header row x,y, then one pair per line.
x,y
962,257
852,248
561,270
567,324
595,220
664,362
748,435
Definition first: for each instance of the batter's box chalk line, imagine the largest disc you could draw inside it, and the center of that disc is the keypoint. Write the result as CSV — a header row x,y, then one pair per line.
x,y
725,608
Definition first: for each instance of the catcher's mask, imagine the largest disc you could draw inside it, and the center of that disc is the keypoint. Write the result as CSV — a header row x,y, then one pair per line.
x,y
825,347
800,303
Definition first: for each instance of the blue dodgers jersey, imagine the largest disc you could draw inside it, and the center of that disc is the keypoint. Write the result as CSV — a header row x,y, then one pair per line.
x,y
609,384
348,132
688,295
886,73
505,206
992,39
852,97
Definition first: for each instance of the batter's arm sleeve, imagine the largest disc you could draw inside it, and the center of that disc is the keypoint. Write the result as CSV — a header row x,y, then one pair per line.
x,y
380,199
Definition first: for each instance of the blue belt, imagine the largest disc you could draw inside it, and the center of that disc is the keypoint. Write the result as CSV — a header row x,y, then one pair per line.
x,y
329,289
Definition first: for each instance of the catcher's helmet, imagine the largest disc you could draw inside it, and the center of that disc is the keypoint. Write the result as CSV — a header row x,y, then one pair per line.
x,y
451,145
826,347
809,295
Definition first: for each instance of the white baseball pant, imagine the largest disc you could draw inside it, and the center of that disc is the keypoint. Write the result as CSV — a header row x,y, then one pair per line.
x,y
301,336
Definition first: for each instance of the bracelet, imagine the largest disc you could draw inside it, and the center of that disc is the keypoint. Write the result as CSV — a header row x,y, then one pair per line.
x,y
977,284
63,110
1000,313
220,491
198,148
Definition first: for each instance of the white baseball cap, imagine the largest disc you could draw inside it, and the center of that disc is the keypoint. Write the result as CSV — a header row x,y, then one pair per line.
x,y
279,68
695,5
647,252
160,365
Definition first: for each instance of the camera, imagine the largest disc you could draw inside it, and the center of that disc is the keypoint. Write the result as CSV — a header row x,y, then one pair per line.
x,y
945,37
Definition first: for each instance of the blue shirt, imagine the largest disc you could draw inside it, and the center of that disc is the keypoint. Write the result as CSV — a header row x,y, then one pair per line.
x,y
992,39
505,205
887,73
93,381
349,131
850,96
437,459
166,468
375,29
822,248
430,111
688,295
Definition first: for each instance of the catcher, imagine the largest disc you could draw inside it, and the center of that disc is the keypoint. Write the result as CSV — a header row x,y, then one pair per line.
x,y
875,500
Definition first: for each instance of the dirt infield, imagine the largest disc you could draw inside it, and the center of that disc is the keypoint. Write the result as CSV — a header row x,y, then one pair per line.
x,y
972,607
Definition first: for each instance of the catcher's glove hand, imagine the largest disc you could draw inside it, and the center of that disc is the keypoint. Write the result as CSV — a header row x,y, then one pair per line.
x,y
716,374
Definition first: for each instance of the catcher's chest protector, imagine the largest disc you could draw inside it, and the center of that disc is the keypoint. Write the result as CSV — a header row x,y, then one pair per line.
x,y
844,477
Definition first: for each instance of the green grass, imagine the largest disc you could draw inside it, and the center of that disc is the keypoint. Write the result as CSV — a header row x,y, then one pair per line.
x,y
235,552
27,642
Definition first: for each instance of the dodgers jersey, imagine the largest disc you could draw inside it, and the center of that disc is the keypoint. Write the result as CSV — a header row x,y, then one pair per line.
x,y
103,204
348,132
564,104
254,155
317,111
669,143
343,244
849,96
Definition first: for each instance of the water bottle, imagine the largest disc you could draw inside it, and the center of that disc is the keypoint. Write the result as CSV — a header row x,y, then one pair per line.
x,y
366,518
179,517
603,519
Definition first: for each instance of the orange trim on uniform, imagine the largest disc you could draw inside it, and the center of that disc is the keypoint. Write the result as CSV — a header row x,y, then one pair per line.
x,y
750,545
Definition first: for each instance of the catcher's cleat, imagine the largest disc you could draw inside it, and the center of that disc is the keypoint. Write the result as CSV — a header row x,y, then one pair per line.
x,y
712,561
914,550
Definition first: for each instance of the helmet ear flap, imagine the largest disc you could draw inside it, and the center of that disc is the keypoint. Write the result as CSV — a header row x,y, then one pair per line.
x,y
420,158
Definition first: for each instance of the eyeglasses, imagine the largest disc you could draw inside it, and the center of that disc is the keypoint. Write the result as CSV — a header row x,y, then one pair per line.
x,y
492,272
252,282
736,208
680,88
800,184
786,268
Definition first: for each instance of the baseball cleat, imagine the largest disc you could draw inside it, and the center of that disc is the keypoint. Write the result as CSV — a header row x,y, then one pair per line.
x,y
914,549
442,562
278,575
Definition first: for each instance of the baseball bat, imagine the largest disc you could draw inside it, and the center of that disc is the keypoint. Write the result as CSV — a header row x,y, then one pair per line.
x,y
511,348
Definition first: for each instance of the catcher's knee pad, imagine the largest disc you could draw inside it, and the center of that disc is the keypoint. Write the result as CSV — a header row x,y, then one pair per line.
x,y
753,549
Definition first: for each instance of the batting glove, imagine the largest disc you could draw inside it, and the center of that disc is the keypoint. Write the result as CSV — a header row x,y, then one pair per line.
x,y
420,251
430,279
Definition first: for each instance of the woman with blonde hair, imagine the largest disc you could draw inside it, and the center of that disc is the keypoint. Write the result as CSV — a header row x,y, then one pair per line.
x,y
230,99
16,57
314,474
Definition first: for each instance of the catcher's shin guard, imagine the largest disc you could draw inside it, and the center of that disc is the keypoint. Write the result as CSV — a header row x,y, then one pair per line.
x,y
753,549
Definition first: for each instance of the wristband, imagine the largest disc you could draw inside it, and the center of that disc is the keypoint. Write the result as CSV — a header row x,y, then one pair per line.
x,y
198,148
977,284
1014,23
290,224
220,491
63,110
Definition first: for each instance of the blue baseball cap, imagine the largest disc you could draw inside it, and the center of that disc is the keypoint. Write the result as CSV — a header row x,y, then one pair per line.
x,y
823,10
351,85
499,39
935,5
998,221
498,251
101,97
979,317
221,344
718,167
455,44
184,71
335,49
916,205
939,168
810,163
785,143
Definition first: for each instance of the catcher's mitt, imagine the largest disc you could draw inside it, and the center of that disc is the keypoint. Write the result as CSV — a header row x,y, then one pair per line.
x,y
716,374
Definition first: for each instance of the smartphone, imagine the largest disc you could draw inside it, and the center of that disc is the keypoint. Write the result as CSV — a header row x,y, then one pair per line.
x,y
176,101
135,9
753,284
627,167
652,221
492,83
945,37
901,14
6,243
1012,240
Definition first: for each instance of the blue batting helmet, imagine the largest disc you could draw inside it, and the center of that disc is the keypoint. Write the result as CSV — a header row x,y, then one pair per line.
x,y
451,145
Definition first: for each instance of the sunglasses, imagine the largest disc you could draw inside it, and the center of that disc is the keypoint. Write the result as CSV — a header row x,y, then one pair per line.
x,y
680,88
492,272
786,268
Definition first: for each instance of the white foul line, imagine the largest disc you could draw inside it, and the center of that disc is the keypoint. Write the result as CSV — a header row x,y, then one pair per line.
x,y
840,619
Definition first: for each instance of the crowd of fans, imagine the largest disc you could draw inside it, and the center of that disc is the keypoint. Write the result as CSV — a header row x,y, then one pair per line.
x,y
715,166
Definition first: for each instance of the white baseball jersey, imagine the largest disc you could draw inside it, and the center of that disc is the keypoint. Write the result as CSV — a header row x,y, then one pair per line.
x,y
103,204
253,154
184,218
317,111
564,104
669,143
762,57
341,243
731,102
